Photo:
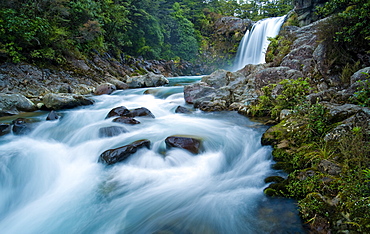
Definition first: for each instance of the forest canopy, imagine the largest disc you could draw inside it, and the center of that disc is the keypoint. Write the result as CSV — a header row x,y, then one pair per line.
x,y
53,30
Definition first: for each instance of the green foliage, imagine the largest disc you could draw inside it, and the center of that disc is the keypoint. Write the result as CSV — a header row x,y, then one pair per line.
x,y
362,95
290,94
51,30
348,71
354,19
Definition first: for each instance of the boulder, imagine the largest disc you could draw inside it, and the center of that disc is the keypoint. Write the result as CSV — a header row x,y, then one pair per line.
x,y
12,104
142,111
21,126
111,131
5,129
125,120
106,88
190,144
148,80
116,155
117,111
58,101
52,116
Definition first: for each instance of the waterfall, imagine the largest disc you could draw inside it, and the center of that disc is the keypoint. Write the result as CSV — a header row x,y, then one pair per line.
x,y
254,44
51,180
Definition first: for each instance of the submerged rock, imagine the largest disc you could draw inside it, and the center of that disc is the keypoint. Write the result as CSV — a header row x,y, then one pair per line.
x,y
111,131
190,144
113,156
181,109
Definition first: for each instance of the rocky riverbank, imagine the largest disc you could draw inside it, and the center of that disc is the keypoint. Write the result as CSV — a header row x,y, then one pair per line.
x,y
320,132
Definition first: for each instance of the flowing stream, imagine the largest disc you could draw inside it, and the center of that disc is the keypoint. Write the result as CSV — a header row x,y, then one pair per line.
x,y
51,181
253,46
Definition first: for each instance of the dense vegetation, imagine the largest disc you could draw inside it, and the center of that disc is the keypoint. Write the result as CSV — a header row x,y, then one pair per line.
x,y
53,30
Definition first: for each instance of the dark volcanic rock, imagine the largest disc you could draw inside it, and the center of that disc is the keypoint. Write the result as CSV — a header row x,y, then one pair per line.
x,y
5,129
191,144
118,111
126,120
113,156
111,131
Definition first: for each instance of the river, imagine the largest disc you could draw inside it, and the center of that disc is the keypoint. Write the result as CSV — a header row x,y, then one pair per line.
x,y
51,181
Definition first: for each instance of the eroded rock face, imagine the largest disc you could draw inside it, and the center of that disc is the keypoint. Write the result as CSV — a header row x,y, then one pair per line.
x,y
12,104
116,155
190,144
58,101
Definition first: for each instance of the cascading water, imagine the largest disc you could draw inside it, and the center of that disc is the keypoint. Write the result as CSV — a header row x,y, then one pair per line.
x,y
51,181
253,46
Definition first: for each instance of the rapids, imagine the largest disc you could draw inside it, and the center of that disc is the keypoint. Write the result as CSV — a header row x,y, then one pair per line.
x,y
51,181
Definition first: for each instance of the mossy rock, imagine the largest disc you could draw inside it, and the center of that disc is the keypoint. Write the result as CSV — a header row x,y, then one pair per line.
x,y
274,179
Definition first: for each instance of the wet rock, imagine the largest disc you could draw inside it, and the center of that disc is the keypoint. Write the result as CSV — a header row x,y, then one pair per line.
x,y
181,109
190,144
126,120
12,104
5,129
147,80
117,111
113,156
58,101
106,88
52,116
111,131
21,126
142,111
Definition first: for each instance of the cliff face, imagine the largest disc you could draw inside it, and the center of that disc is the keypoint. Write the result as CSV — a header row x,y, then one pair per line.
x,y
306,10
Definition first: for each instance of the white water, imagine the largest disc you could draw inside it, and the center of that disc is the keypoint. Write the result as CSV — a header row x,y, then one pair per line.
x,y
253,46
51,182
